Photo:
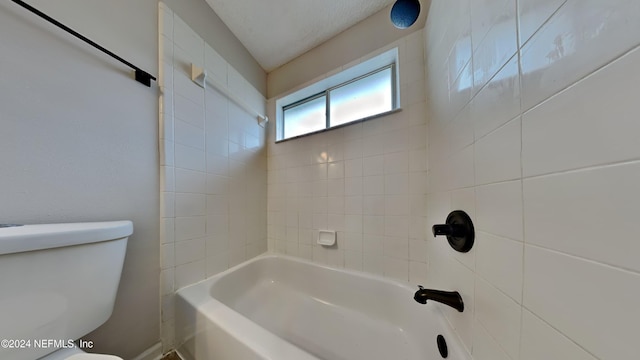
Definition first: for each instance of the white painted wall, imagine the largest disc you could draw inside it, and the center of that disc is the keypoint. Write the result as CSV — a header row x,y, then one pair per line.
x,y
78,137
534,133
367,181
78,142
213,166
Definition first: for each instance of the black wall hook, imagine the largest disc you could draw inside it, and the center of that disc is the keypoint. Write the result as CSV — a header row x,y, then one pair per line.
x,y
458,230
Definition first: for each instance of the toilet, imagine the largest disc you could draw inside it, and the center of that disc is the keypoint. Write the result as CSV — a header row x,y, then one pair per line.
x,y
58,283
77,354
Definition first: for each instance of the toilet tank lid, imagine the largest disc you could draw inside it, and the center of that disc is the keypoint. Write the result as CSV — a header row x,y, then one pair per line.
x,y
46,236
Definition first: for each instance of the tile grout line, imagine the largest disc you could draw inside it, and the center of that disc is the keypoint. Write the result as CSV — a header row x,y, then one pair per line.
x,y
632,161
520,116
558,331
584,77
493,338
584,259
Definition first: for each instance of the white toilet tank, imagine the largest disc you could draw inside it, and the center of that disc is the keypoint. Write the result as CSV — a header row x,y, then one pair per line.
x,y
58,282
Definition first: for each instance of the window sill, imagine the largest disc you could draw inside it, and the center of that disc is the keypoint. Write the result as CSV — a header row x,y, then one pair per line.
x,y
390,112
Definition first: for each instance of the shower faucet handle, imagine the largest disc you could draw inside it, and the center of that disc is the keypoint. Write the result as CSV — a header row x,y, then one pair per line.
x,y
448,230
458,229
443,229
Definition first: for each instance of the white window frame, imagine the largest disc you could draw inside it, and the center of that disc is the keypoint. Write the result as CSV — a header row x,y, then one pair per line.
x,y
323,87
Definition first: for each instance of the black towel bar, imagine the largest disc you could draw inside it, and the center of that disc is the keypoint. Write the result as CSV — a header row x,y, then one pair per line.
x,y
140,75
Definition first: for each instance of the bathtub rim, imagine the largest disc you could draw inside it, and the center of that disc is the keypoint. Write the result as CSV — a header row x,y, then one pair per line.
x,y
274,255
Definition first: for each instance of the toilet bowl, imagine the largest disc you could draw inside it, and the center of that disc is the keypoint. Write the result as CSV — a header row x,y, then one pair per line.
x,y
59,282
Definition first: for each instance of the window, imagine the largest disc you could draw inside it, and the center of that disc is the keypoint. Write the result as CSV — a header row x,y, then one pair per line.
x,y
367,90
305,116
367,96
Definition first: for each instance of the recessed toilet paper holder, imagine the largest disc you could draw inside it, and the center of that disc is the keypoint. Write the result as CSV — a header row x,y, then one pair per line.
x,y
458,230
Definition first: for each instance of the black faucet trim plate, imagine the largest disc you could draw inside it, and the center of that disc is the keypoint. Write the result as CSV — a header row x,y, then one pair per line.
x,y
459,231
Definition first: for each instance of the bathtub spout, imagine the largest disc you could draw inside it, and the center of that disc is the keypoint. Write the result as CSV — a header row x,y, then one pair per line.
x,y
450,298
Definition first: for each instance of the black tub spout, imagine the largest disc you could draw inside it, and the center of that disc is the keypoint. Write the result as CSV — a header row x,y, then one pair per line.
x,y
450,298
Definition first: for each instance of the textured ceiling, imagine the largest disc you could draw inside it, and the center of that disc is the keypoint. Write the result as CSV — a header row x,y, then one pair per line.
x,y
277,31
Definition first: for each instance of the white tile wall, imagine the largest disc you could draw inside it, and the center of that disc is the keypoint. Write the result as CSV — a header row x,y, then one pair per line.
x,y
485,347
499,314
592,304
551,126
504,89
607,124
534,13
606,194
366,181
499,209
499,261
499,44
541,341
497,155
580,38
213,173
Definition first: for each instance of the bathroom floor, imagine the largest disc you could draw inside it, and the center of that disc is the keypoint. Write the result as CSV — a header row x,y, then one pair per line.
x,y
171,356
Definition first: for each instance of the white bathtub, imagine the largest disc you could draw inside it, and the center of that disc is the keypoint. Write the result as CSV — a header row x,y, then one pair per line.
x,y
282,308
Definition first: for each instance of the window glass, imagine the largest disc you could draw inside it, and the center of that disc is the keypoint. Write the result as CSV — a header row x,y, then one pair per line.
x,y
364,91
305,117
362,98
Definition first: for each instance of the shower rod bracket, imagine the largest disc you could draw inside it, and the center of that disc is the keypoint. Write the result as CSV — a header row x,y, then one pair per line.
x,y
143,77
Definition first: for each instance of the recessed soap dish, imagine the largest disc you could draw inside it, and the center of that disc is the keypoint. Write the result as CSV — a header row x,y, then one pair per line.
x,y
326,238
